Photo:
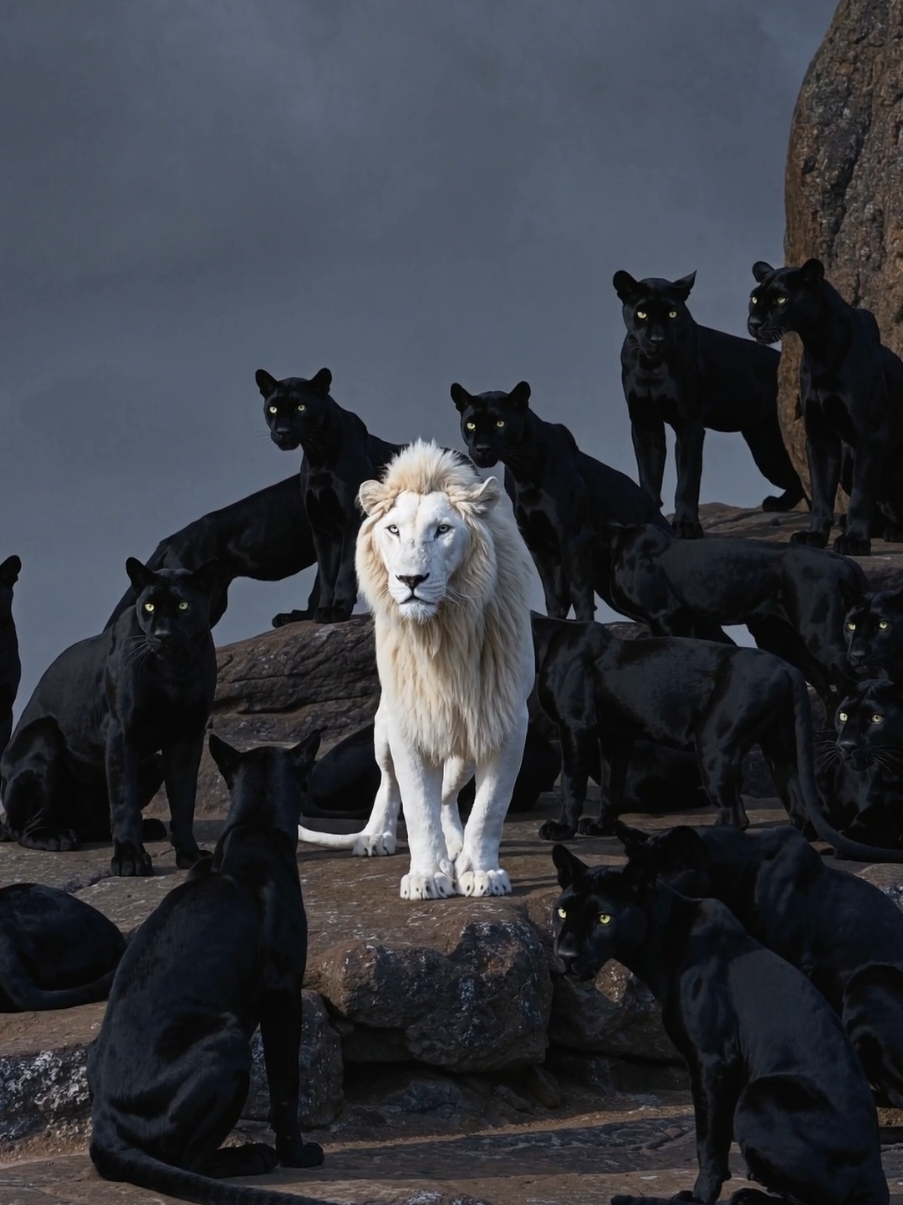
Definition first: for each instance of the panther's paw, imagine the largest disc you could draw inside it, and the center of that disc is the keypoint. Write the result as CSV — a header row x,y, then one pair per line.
x,y
54,840
587,826
555,830
186,858
814,539
482,882
786,501
374,845
287,617
853,545
688,529
437,884
130,861
300,1154
325,615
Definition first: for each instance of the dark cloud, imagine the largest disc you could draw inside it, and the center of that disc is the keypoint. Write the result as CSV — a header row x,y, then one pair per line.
x,y
407,191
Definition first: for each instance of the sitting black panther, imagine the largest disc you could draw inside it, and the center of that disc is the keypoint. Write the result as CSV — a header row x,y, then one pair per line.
x,y
339,453
845,934
112,718
265,536
720,698
170,1070
693,378
873,630
789,597
851,392
56,951
859,765
10,665
770,1064
561,496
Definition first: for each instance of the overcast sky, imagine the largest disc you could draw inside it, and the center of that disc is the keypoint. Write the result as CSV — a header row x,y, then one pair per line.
x,y
406,191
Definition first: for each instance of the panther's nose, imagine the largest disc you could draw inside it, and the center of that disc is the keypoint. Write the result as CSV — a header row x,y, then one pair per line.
x,y
847,746
412,580
567,960
655,338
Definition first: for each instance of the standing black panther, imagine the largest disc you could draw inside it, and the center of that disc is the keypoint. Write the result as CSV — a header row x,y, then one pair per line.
x,y
694,378
851,390
10,665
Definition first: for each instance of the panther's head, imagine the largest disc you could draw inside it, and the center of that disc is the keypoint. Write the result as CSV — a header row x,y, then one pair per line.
x,y
869,726
423,542
294,408
784,299
872,628
172,606
655,312
491,423
9,575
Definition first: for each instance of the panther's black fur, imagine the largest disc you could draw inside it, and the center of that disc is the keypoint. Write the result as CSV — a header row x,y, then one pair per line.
x,y
851,391
10,665
873,630
265,536
770,1063
112,718
339,453
170,1069
561,496
693,378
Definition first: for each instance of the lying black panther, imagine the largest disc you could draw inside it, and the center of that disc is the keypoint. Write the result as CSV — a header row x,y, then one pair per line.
x,y
55,951
339,453
845,934
789,597
561,496
851,391
720,698
692,378
859,765
170,1069
111,719
873,630
770,1064
265,536
10,665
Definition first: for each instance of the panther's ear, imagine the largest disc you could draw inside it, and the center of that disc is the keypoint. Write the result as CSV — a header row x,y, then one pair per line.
x,y
844,683
485,496
139,575
227,759
460,396
371,496
850,596
631,838
10,570
625,286
321,382
570,868
265,383
206,577
760,270
305,752
519,397
683,287
680,848
813,271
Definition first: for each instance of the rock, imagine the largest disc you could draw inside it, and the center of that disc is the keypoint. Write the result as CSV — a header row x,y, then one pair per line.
x,y
843,194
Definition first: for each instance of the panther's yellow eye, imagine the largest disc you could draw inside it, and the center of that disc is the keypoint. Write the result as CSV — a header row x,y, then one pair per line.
x,y
500,422
272,409
672,313
148,607
883,625
782,301
183,605
851,627
754,299
604,919
641,314
842,716
302,406
562,912
877,719
471,426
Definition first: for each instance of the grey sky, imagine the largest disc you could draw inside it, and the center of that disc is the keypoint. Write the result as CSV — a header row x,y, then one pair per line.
x,y
406,191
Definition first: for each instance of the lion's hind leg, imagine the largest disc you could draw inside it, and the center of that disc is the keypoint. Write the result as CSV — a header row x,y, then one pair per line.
x,y
378,837
457,774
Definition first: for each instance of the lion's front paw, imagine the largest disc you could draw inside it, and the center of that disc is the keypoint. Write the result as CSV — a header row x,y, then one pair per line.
x,y
374,845
482,882
437,884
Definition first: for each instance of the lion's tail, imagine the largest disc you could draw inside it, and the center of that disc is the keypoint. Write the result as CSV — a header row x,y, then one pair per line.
x,y
328,840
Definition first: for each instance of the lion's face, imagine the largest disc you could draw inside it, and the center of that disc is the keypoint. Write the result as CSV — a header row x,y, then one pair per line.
x,y
422,541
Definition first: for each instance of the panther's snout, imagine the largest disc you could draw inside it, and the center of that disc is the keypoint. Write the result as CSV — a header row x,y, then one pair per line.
x,y
286,441
484,458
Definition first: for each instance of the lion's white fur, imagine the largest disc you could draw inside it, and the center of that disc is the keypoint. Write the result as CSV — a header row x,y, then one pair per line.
x,y
455,664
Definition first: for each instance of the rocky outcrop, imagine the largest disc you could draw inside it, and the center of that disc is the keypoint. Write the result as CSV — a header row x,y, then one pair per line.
x,y
844,178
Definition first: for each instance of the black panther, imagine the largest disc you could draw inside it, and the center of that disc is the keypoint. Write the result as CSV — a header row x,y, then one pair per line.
x,y
10,665
113,718
339,453
694,378
562,497
851,392
265,536
873,630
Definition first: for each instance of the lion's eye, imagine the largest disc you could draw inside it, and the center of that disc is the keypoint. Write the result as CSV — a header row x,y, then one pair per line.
x,y
500,422
604,918
877,719
883,625
471,426
272,409
851,627
672,313
641,314
183,605
781,301
443,528
562,912
754,299
392,529
842,716
302,406
148,607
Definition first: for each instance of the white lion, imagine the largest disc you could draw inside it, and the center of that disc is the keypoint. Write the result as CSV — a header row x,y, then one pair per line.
x,y
447,576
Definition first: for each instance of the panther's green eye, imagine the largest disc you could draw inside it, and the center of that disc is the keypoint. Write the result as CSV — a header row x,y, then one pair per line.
x,y
604,918
183,605
782,301
272,409
471,426
641,314
672,313
851,627
842,716
883,625
877,719
148,607
562,912
500,422
302,406
754,299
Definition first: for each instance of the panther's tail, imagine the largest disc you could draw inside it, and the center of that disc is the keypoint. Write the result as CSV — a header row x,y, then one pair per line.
x,y
18,985
854,850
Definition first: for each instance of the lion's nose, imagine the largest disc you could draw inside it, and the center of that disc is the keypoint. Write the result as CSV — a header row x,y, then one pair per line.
x,y
412,580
